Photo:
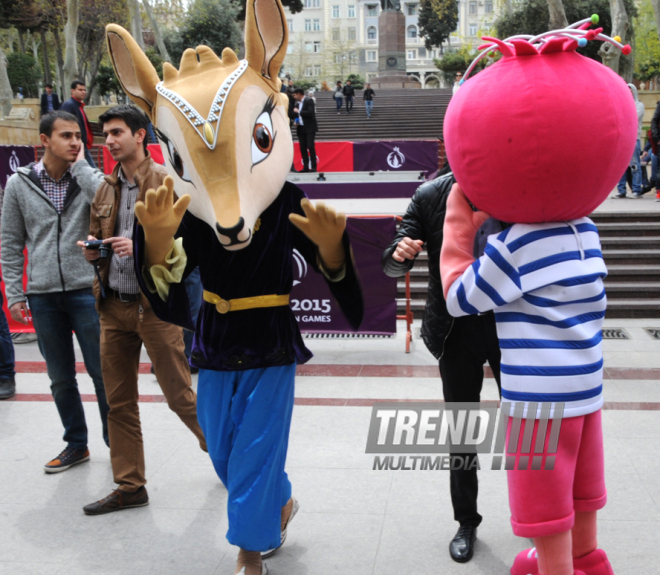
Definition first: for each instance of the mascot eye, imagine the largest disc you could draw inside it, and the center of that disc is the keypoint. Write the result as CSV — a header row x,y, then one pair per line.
x,y
177,162
262,138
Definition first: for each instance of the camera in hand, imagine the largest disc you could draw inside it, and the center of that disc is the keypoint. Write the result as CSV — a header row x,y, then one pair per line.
x,y
105,250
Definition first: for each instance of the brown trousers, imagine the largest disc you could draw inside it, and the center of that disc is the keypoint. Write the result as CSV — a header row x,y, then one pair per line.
x,y
124,328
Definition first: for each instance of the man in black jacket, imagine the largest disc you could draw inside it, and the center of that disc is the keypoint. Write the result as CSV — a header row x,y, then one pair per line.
x,y
304,116
349,94
75,105
50,101
462,345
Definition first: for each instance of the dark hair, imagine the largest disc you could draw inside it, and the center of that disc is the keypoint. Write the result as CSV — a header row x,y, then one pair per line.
x,y
299,91
48,121
76,83
49,86
133,117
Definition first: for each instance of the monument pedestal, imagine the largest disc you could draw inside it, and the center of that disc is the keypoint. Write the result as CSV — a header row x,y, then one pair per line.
x,y
392,52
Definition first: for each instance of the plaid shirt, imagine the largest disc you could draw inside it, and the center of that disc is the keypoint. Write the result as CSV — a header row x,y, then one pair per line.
x,y
56,190
122,276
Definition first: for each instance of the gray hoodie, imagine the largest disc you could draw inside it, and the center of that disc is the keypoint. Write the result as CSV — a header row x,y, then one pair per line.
x,y
640,110
29,218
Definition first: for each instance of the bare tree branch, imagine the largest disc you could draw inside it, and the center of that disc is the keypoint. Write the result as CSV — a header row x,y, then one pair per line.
x,y
71,51
157,33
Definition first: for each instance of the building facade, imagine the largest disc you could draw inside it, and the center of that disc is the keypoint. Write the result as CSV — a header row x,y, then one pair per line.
x,y
331,39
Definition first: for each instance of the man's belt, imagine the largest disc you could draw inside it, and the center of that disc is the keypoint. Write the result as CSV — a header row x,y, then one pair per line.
x,y
123,297
224,306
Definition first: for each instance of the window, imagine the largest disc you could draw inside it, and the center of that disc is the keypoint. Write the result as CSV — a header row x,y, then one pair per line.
x,y
372,10
290,25
308,25
309,70
489,7
421,52
317,48
336,11
336,34
351,10
317,25
309,47
371,55
352,57
372,35
411,9
412,54
338,58
472,8
312,3
411,34
473,30
289,49
352,35
317,69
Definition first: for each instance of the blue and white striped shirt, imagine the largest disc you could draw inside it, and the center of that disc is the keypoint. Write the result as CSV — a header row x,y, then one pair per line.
x,y
545,284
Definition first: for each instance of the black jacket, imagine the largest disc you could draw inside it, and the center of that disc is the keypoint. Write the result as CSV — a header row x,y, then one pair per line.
x,y
655,124
308,115
73,107
424,221
44,103
349,91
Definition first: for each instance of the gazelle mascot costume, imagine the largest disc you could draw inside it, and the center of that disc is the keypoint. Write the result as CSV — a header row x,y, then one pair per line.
x,y
538,109
223,127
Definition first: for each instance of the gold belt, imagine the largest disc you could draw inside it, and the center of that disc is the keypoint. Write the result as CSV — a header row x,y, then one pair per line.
x,y
224,306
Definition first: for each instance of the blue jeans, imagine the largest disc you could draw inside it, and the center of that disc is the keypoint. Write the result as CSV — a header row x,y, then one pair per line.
x,y
6,348
369,104
636,170
339,102
55,316
194,291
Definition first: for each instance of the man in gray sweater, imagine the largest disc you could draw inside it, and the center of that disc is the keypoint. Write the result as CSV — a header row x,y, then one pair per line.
x,y
46,208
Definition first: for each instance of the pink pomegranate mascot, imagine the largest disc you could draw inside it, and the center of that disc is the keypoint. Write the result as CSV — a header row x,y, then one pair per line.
x,y
539,139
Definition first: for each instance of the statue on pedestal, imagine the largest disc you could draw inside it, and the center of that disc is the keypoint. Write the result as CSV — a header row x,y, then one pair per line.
x,y
390,4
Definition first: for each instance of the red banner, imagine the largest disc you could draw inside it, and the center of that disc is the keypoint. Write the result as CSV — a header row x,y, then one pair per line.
x,y
330,156
109,164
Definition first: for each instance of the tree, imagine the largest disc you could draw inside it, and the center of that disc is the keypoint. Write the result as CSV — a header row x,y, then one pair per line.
x,y
437,20
24,72
157,33
357,81
647,44
609,53
656,11
212,23
557,15
71,39
5,87
532,17
136,22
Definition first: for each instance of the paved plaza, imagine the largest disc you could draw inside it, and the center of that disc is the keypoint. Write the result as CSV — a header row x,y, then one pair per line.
x,y
352,520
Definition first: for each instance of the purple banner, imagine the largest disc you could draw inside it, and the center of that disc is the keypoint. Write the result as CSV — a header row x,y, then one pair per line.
x,y
349,191
404,155
317,311
12,158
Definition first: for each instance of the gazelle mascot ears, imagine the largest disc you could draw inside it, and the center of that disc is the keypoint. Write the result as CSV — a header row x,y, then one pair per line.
x,y
222,123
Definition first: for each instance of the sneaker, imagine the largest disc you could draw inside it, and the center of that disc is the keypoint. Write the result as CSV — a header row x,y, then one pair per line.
x,y
7,388
636,195
20,337
285,525
657,196
118,500
250,563
619,196
66,459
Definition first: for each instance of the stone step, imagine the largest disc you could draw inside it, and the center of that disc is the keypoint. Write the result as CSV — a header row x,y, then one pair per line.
x,y
619,229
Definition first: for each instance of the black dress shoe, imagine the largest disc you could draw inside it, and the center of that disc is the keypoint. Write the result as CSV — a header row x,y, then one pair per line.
x,y
461,547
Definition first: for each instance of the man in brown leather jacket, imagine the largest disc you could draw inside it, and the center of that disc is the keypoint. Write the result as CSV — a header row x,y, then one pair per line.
x,y
127,320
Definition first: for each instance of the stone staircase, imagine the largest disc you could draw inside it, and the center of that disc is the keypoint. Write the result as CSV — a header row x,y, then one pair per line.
x,y
631,248
397,115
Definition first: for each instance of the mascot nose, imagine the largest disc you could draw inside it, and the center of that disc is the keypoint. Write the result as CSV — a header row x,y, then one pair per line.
x,y
229,236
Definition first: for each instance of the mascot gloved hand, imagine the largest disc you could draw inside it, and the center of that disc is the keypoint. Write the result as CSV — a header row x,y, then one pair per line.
x,y
519,138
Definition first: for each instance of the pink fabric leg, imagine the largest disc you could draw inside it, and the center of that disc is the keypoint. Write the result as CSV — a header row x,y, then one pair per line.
x,y
555,554
585,539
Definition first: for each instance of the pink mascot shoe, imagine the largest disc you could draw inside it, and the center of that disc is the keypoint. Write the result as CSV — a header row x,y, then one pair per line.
x,y
594,563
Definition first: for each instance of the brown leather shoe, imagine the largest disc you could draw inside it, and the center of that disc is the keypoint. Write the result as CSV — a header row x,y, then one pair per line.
x,y
117,500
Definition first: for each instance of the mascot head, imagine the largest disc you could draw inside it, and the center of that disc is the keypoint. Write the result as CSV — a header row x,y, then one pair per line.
x,y
544,134
222,122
